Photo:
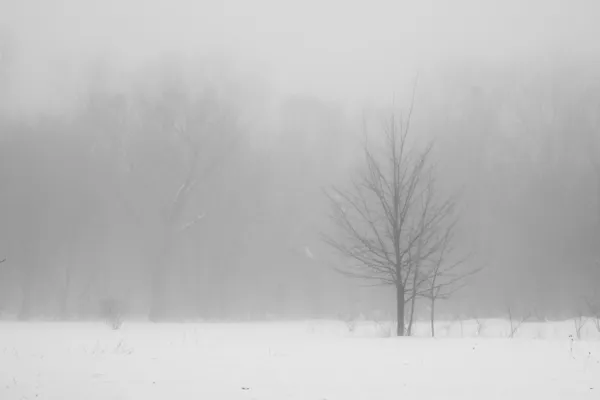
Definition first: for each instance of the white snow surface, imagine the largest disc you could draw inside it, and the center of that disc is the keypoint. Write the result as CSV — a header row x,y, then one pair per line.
x,y
312,360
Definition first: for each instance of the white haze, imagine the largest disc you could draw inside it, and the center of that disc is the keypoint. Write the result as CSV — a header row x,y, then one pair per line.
x,y
354,52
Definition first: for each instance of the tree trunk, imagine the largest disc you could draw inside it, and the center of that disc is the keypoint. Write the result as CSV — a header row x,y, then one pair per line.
x,y
415,279
412,303
400,310
411,317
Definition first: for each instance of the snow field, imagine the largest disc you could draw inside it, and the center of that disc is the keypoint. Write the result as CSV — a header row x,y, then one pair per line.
x,y
313,360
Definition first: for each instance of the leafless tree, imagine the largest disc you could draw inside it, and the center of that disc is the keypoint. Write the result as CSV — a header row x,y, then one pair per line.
x,y
192,127
173,214
389,221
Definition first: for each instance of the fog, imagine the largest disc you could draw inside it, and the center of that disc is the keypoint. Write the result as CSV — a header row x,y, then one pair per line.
x,y
100,101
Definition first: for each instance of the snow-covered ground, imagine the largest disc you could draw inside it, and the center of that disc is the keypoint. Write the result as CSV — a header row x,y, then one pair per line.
x,y
313,360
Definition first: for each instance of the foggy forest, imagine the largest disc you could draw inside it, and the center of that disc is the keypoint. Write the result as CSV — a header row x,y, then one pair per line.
x,y
324,200
177,159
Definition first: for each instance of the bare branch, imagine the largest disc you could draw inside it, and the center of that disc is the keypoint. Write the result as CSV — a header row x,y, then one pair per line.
x,y
342,220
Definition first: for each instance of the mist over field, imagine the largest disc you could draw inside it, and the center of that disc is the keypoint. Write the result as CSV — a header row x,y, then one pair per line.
x,y
175,154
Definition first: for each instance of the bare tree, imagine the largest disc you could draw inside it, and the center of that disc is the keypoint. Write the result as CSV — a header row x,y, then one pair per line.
x,y
172,223
191,128
388,224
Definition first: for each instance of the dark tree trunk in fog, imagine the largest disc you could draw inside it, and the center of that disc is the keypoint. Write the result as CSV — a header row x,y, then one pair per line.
x,y
400,303
415,283
413,301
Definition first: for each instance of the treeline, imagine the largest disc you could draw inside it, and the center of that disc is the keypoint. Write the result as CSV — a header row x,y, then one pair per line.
x,y
181,196
188,192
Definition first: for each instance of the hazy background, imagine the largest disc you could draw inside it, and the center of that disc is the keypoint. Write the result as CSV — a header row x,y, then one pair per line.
x,y
277,94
